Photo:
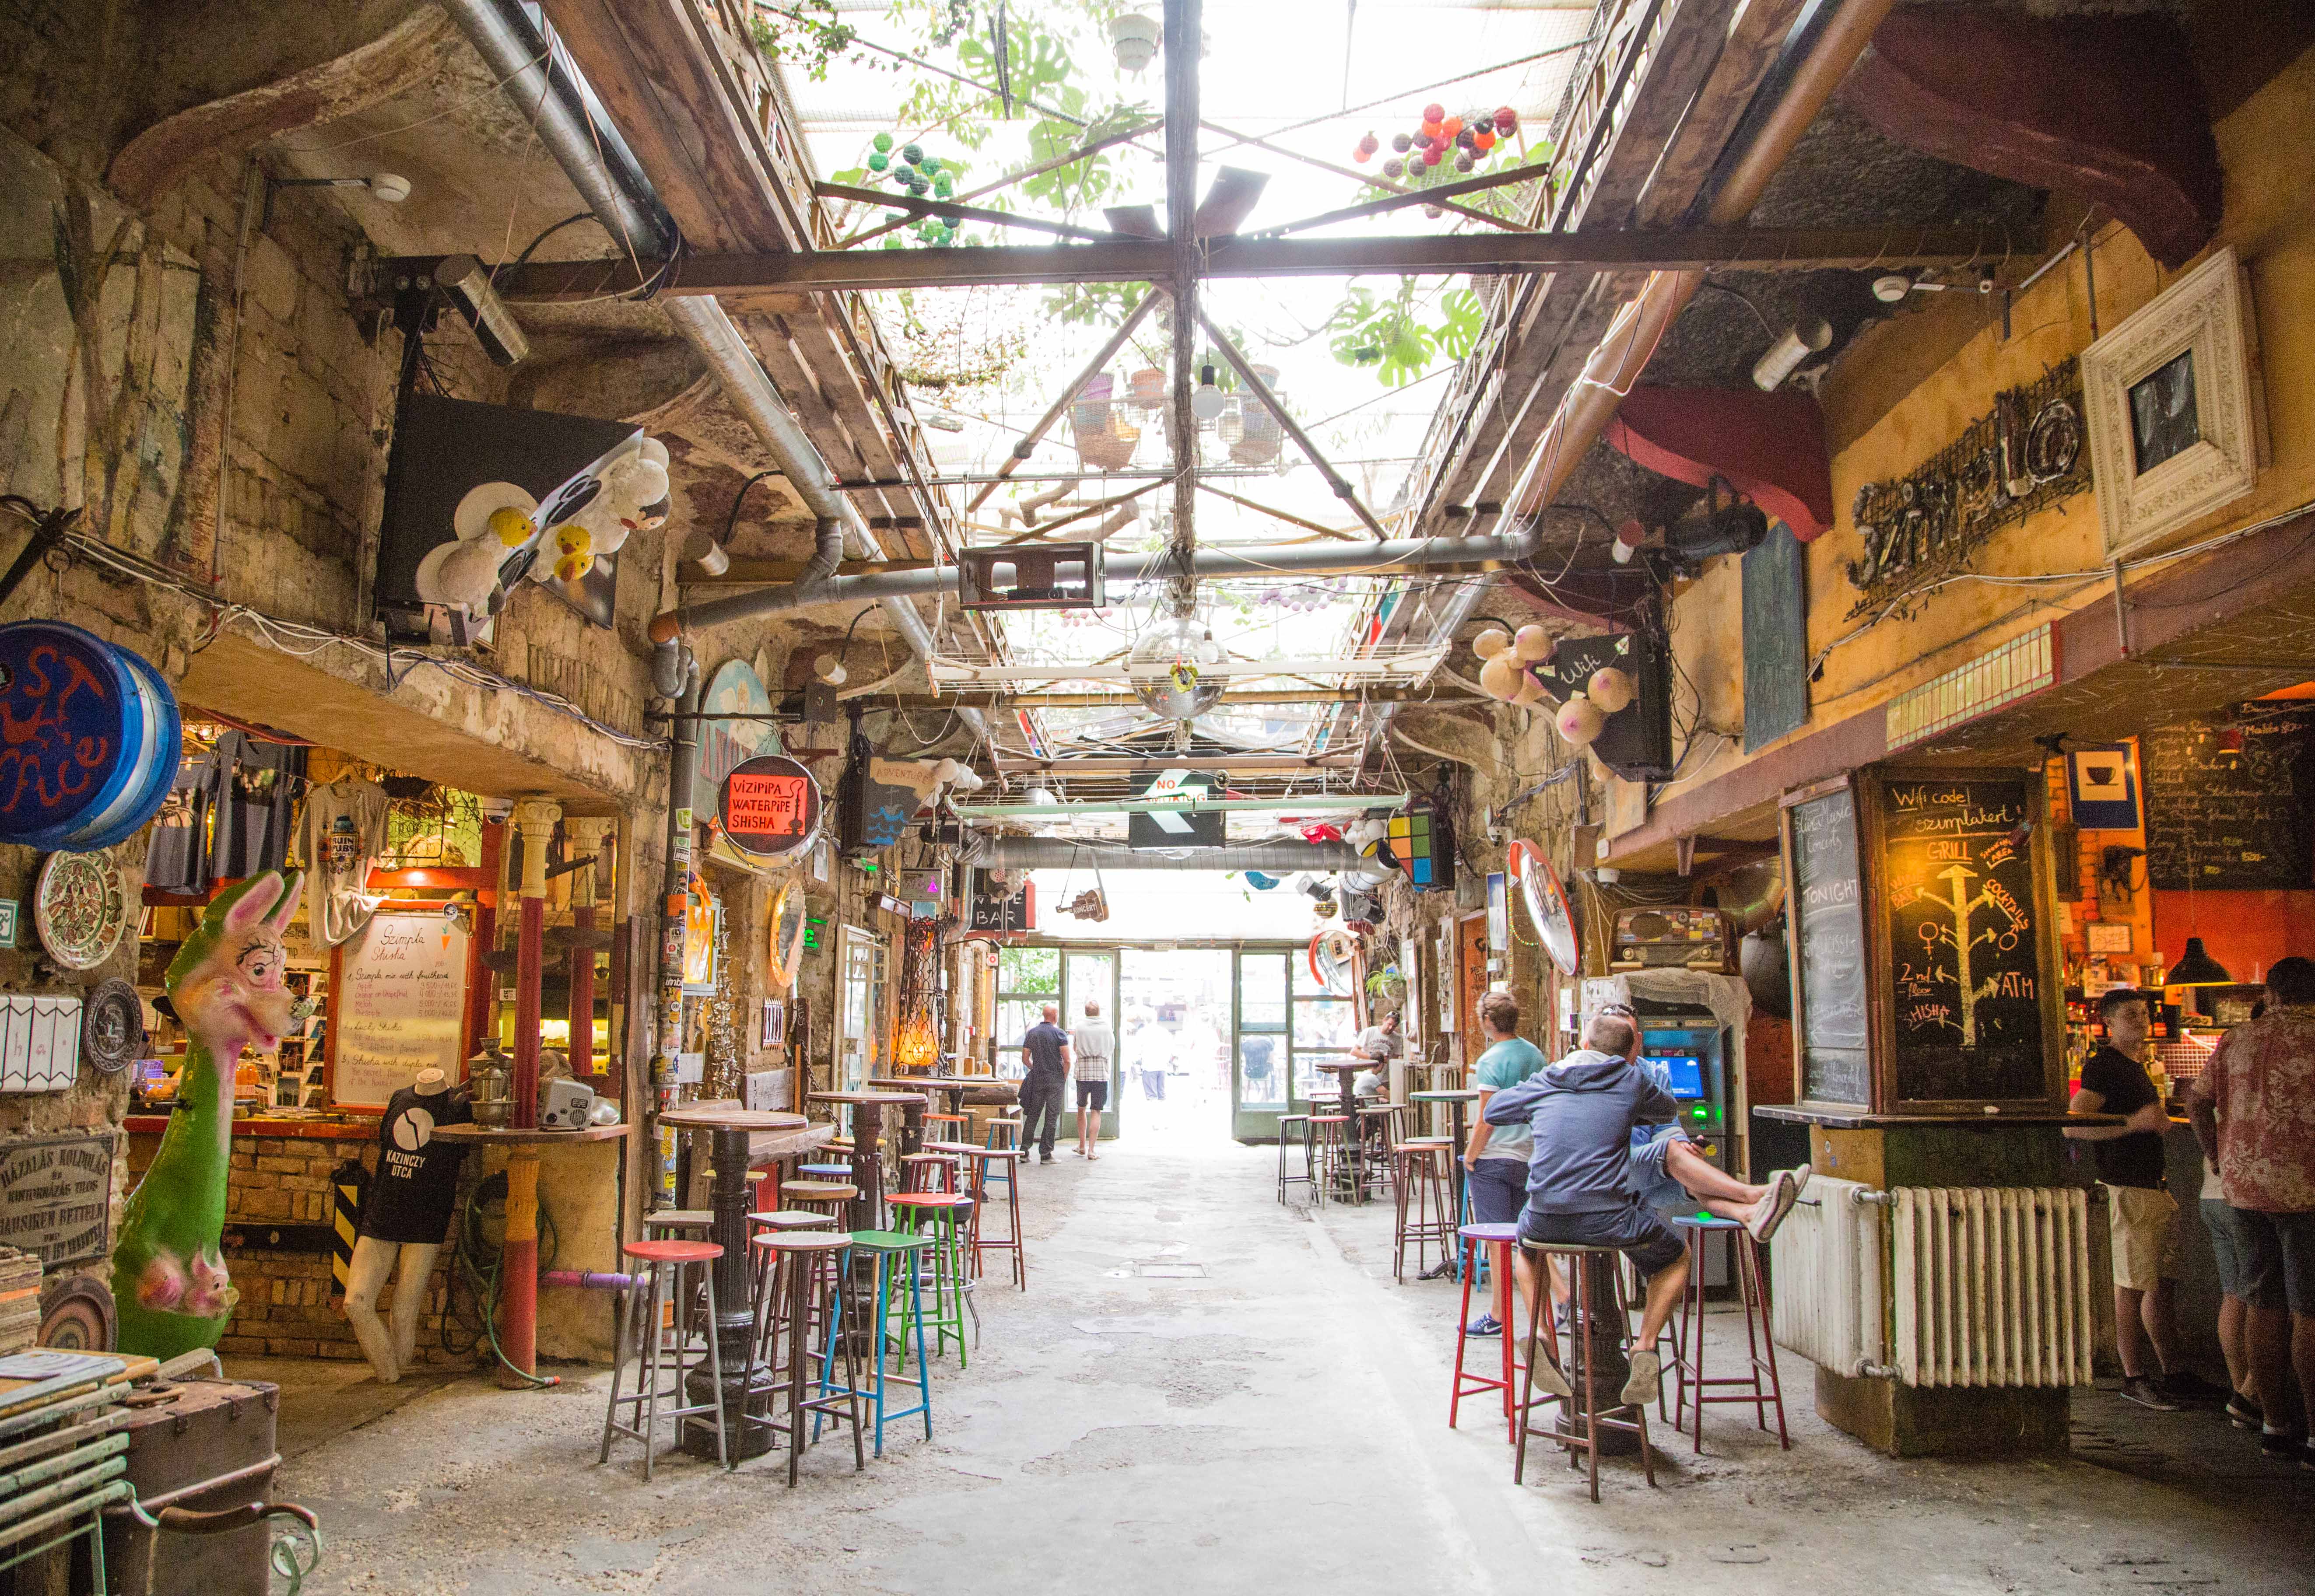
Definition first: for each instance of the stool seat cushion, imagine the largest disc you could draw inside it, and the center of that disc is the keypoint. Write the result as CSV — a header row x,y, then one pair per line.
x,y
1702,1222
1330,1119
672,1251
819,1191
687,1218
889,1241
929,1200
791,1218
929,1158
803,1241
1489,1232
957,1149
995,1155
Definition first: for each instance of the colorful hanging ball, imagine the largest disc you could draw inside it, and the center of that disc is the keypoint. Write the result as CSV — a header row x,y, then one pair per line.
x,y
1394,168
1402,142
1463,162
929,165
1467,139
944,185
1361,154
883,142
1506,119
1452,125
1433,156
1433,212
1435,112
1483,141
892,241
879,163
1430,131
912,154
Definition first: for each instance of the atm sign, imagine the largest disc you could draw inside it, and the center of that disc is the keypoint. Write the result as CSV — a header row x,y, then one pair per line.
x,y
770,807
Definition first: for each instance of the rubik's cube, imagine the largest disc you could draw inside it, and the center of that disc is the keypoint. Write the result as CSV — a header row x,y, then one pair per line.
x,y
1410,842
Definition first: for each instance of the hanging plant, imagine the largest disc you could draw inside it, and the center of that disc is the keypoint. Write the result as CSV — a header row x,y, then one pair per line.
x,y
809,38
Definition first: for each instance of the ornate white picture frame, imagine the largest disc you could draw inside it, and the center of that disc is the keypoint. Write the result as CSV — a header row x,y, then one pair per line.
x,y
2173,420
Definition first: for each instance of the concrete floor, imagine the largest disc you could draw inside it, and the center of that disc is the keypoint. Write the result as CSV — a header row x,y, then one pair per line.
x,y
1205,1391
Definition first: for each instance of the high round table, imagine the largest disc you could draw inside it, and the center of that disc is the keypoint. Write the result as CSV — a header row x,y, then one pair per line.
x,y
868,1161
732,1128
1354,1141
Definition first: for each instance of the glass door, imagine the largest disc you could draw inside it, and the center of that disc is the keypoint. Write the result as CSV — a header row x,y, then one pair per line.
x,y
1027,978
1092,978
1324,1028
1260,1086
860,1003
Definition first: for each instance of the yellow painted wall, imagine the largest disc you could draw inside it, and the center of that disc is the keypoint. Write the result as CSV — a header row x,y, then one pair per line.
x,y
2269,221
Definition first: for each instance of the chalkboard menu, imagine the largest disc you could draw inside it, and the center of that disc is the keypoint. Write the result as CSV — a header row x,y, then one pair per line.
x,y
1827,905
1965,1000
1775,639
2230,803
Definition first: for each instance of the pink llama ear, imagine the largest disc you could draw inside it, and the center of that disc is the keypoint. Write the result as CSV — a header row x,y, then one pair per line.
x,y
279,924
251,906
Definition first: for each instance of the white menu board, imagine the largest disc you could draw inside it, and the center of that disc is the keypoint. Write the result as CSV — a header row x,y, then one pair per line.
x,y
399,1001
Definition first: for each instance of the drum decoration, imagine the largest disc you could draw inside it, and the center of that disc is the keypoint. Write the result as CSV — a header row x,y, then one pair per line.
x,y
93,739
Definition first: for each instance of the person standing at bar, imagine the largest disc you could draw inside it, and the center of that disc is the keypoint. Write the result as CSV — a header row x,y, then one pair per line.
x,y
2140,1214
1045,1050
1494,1161
2253,1108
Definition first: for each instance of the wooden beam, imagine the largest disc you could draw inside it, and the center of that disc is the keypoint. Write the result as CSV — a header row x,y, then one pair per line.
x,y
1691,249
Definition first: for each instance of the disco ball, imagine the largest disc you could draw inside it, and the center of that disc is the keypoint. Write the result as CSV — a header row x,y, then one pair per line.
x,y
1190,660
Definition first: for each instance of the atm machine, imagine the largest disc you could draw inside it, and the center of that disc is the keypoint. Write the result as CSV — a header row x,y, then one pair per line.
x,y
1689,1042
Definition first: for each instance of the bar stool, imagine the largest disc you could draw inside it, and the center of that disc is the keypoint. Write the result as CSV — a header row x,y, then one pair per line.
x,y
1377,1134
1592,1274
928,1171
686,1224
893,1253
1005,1126
821,1197
783,1220
824,1171
987,1158
665,1262
1497,1240
1289,1126
796,1270
939,1217
1419,1177
962,1124
1696,1388
1331,1131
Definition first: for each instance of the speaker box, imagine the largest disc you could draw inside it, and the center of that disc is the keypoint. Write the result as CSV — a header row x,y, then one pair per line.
x,y
1636,743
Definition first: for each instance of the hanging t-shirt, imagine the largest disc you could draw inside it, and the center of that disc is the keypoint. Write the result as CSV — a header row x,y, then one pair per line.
x,y
256,804
417,1181
178,859
342,836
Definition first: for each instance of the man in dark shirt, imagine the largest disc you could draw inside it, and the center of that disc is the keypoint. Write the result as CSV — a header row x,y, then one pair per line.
x,y
2140,1213
1045,1050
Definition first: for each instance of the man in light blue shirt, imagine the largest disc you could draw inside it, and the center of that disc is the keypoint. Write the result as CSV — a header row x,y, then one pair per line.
x,y
1495,1159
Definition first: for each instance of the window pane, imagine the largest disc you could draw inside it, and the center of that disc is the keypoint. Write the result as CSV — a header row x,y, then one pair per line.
x,y
1014,1016
1262,993
1029,970
1262,1071
1323,1022
1313,1084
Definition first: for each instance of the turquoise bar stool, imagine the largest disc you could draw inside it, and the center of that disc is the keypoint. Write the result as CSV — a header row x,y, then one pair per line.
x,y
897,1255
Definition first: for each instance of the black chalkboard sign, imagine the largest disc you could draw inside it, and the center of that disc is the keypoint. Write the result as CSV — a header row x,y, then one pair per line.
x,y
1965,1000
1827,904
2230,803
1775,639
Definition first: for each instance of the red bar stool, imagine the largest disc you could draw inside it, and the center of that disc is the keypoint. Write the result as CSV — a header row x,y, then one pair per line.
x,y
664,1263
799,1284
1498,1241
1010,1242
1597,1312
1759,1385
1419,1181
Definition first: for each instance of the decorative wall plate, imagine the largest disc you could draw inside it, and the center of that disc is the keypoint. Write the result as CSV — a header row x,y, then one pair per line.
x,y
80,908
113,1027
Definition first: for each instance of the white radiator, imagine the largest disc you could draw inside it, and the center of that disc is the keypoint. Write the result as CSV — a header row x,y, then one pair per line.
x,y
1828,1275
1991,1286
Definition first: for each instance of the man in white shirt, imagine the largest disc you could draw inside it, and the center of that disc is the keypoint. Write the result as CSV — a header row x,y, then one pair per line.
x,y
1380,1042
1092,1044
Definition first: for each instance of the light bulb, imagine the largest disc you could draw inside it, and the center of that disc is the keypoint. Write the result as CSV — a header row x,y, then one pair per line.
x,y
1206,404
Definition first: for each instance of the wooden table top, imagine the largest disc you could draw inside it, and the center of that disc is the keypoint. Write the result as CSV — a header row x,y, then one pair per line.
x,y
1463,1095
865,1097
946,1083
718,1116
1338,1067
508,1136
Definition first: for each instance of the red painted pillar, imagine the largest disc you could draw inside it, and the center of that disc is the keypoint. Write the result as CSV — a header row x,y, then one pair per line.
x,y
518,1274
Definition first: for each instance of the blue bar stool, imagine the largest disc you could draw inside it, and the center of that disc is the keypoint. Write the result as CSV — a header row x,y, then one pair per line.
x,y
897,1257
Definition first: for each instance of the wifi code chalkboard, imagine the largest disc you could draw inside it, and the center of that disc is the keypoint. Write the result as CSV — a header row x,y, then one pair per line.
x,y
2230,803
1957,877
1828,966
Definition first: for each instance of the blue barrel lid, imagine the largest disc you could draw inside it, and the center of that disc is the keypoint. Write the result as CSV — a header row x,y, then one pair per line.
x,y
76,730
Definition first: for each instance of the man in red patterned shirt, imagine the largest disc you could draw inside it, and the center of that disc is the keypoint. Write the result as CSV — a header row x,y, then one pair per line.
x,y
2254,1112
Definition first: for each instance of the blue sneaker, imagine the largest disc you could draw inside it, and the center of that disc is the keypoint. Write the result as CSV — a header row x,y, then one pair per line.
x,y
1486,1324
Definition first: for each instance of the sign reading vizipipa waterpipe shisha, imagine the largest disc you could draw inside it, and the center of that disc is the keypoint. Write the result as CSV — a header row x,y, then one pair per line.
x,y
770,807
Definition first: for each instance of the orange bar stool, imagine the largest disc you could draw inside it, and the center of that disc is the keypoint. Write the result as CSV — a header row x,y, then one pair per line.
x,y
989,1160
1497,1240
1758,1383
943,1124
663,1366
1599,1316
799,1281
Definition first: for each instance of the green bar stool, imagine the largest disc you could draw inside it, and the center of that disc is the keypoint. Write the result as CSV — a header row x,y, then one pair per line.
x,y
940,1217
897,1255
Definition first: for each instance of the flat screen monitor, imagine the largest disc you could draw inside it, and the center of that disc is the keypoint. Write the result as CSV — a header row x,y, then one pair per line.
x,y
1687,1073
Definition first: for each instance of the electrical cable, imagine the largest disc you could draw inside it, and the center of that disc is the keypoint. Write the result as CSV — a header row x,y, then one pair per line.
x,y
477,1264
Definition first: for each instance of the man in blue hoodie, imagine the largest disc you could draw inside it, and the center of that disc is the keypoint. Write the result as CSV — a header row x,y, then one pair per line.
x,y
1582,1111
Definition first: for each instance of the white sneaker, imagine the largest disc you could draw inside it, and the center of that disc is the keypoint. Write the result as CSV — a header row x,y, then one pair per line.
x,y
1770,1212
1647,1379
1548,1374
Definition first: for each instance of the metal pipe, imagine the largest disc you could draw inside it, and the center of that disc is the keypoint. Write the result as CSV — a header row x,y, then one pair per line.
x,y
591,1280
1300,559
1282,858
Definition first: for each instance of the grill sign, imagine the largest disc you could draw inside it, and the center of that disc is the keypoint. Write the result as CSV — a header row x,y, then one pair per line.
x,y
771,807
